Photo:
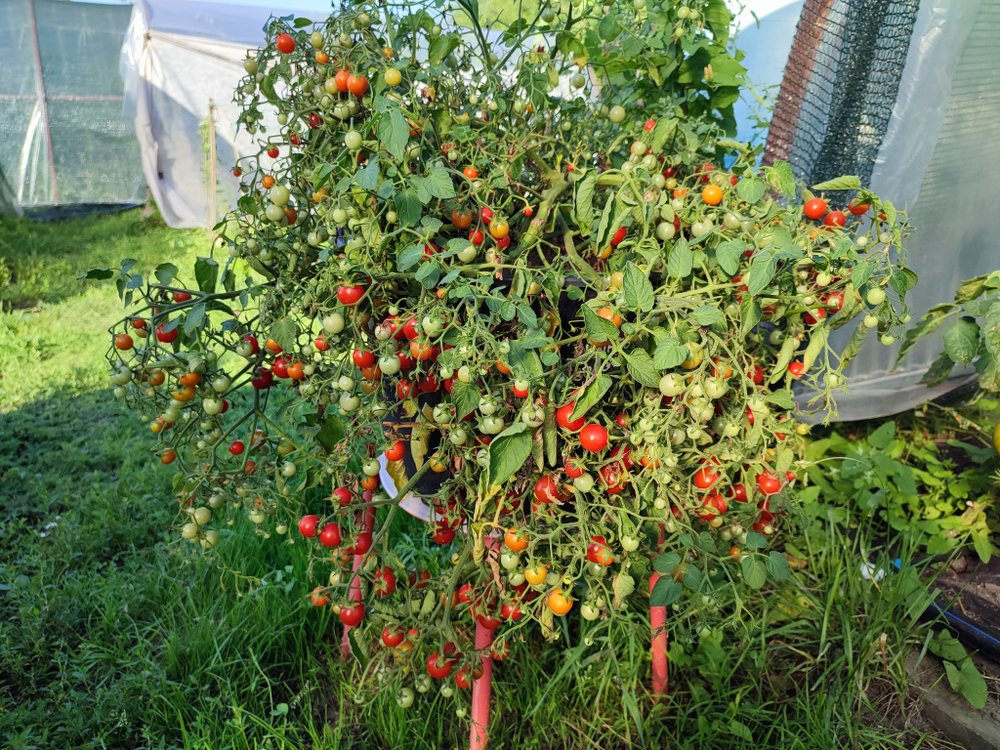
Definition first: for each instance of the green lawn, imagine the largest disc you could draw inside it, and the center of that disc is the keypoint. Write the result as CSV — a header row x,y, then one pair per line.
x,y
114,636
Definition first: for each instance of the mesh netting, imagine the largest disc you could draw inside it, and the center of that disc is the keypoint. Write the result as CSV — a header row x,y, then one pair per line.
x,y
64,141
839,86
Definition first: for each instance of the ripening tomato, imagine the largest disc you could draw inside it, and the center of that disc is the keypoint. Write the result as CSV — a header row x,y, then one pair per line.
x,y
515,540
712,195
594,438
739,493
307,526
357,85
705,477
166,337
169,456
423,350
280,367
319,597
768,483
812,317
123,341
393,635
396,451
835,219
547,490
285,44
619,237
363,358
858,208
598,551
439,666
712,506
471,173
757,375
795,369
558,602
353,616
341,81
237,447
461,219
349,296
499,228
563,414
815,208
330,535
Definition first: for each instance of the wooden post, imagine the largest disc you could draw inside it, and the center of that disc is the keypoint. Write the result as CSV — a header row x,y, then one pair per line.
x,y
354,591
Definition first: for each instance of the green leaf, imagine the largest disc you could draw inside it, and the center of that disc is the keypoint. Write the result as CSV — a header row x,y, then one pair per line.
x,y
465,397
441,47
97,273
728,255
890,212
761,272
777,565
785,177
665,592
609,28
428,274
367,178
331,433
929,323
884,435
750,315
394,132
782,398
527,316
206,273
706,315
754,572
961,341
640,366
967,682
284,332
194,317
409,256
583,201
669,353
508,452
663,131
861,273
680,261
592,395
751,189
991,331
637,289
847,182
756,540
666,563
939,370
408,206
165,273
439,183
599,328
693,578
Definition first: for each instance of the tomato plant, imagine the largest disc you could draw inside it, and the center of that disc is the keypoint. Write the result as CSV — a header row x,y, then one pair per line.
x,y
484,280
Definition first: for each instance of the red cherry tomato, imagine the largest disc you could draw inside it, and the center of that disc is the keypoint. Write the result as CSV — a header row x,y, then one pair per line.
x,y
307,525
264,379
739,493
350,295
285,44
835,219
768,483
594,438
616,240
396,451
439,666
343,496
575,468
563,414
599,552
815,208
330,535
354,615
705,477
547,490
363,358
166,337
237,447
280,367
392,636
795,369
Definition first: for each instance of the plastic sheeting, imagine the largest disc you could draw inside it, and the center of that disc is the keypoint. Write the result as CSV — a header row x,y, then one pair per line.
x,y
941,159
60,96
181,62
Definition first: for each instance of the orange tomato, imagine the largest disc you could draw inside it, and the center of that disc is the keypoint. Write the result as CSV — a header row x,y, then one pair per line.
x,y
185,394
267,182
370,483
156,377
515,540
272,345
371,373
357,85
123,341
503,368
559,603
341,80
295,371
461,219
608,314
191,378
422,350
169,456
322,58
680,192
470,173
712,195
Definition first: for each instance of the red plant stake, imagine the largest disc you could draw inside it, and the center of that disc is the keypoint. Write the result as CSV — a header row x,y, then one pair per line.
x,y
354,592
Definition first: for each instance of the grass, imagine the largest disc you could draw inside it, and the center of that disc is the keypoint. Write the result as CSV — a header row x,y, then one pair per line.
x,y
114,636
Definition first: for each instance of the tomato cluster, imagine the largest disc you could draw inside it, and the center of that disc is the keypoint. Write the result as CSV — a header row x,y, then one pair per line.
x,y
580,352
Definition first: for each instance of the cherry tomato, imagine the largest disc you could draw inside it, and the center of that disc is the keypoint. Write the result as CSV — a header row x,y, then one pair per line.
x,y
815,208
396,451
439,666
858,208
236,447
594,438
599,552
341,81
363,358
768,483
835,219
393,635
307,525
705,477
575,468
354,615
515,540
563,414
619,237
285,44
166,337
123,341
318,597
343,495
330,535
558,602
547,490
357,85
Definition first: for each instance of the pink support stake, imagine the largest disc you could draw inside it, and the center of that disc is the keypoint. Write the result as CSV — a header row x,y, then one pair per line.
x,y
354,591
481,690
657,624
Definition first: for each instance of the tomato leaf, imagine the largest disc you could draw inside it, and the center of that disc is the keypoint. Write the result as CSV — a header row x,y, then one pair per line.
x,y
409,256
693,578
441,47
750,315
508,452
583,201
728,255
663,131
666,563
394,132
439,183
367,178
784,177
754,572
640,366
331,433
165,273
284,332
777,565
591,396
991,331
756,540
762,270
97,273
847,182
637,289
408,206
194,317
669,353
782,398
465,397
206,273
623,585
961,341
751,189
428,274
665,592
599,328
706,315
680,260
